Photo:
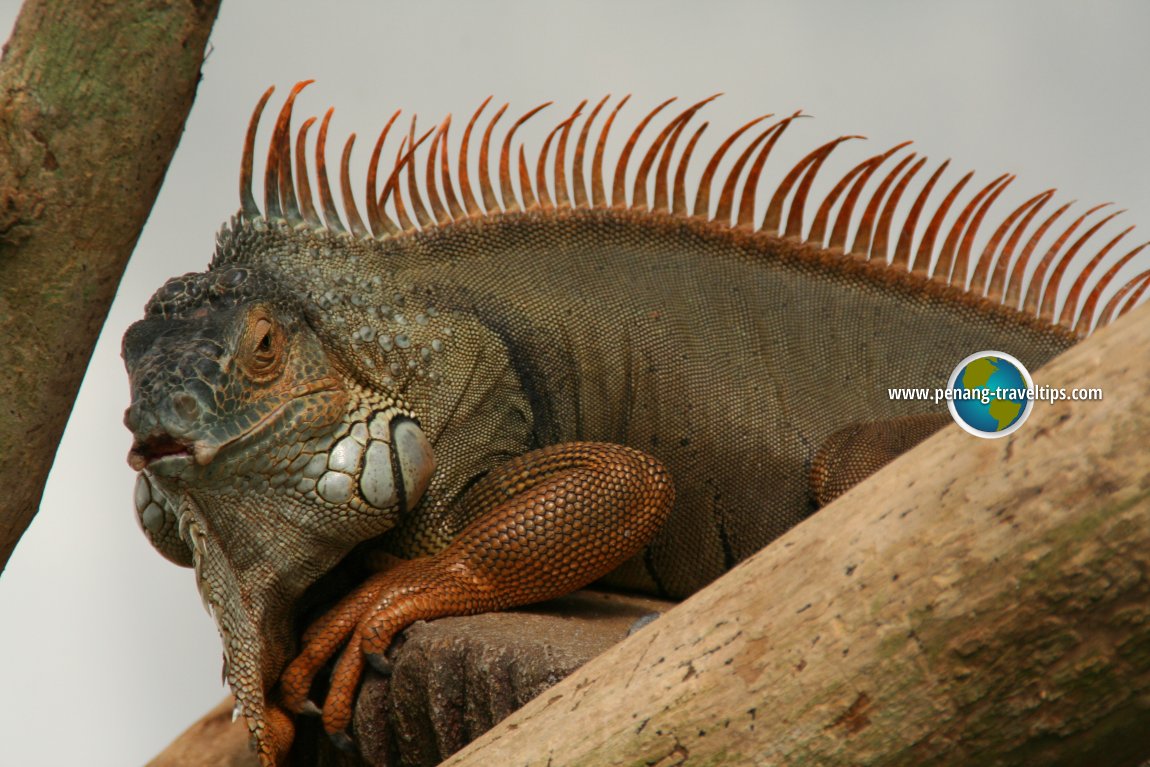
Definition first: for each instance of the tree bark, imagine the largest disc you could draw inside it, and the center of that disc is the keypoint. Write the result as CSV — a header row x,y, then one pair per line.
x,y
975,602
93,99
215,739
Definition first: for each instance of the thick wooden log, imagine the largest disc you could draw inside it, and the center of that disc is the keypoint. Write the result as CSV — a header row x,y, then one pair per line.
x,y
975,602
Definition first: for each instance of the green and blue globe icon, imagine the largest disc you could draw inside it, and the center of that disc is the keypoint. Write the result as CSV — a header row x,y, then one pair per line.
x,y
990,394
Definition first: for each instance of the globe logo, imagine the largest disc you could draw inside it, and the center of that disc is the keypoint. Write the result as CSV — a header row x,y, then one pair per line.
x,y
989,394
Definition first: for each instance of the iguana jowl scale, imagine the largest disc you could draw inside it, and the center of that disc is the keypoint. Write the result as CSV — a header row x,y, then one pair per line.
x,y
490,387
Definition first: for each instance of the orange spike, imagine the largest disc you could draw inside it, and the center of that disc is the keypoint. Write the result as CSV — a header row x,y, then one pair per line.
x,y
248,206
639,192
1018,271
843,220
946,256
561,198
901,257
997,285
485,187
880,244
445,174
577,179
618,191
815,161
1083,325
287,187
662,178
866,224
679,194
330,211
774,214
525,181
822,217
962,262
277,173
404,159
541,167
421,214
377,218
639,189
598,195
437,209
1116,300
727,193
354,221
1070,307
926,246
288,203
979,282
505,187
303,188
1034,291
392,185
469,201
751,187
1050,295
1135,298
703,196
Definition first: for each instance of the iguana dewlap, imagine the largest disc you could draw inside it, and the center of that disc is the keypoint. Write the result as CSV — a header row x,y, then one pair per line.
x,y
500,388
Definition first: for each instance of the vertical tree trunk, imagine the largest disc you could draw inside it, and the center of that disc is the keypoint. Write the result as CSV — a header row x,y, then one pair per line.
x,y
93,99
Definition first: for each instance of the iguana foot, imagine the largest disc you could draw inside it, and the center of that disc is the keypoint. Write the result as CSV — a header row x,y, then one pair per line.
x,y
556,520
851,454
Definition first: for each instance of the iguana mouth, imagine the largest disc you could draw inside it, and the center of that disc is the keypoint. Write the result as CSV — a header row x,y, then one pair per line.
x,y
160,446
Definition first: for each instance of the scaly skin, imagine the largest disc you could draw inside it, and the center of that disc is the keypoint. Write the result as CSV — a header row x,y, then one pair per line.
x,y
459,394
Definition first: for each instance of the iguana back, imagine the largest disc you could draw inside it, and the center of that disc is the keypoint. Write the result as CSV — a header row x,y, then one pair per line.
x,y
729,352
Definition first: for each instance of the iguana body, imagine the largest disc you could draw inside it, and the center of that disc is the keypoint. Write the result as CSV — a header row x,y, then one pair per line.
x,y
318,388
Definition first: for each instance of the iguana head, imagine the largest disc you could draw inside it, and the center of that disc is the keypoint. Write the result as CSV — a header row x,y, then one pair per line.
x,y
261,462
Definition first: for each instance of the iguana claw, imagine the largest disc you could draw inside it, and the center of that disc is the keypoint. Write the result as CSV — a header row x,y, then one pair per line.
x,y
379,662
342,741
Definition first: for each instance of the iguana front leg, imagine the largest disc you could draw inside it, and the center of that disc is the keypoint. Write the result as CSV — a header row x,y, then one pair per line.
x,y
553,520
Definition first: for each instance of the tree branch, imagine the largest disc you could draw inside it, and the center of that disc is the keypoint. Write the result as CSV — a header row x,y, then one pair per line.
x,y
93,99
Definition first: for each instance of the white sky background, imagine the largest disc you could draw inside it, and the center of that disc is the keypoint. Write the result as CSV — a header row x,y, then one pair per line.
x,y
106,652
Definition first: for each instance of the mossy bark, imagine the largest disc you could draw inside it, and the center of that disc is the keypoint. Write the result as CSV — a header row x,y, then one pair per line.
x,y
93,99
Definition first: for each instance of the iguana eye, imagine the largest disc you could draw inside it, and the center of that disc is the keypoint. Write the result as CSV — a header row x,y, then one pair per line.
x,y
264,342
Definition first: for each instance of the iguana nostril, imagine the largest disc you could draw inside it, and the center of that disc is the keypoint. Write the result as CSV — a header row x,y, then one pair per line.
x,y
185,406
139,419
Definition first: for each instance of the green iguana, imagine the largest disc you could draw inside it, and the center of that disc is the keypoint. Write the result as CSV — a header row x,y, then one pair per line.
x,y
500,388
